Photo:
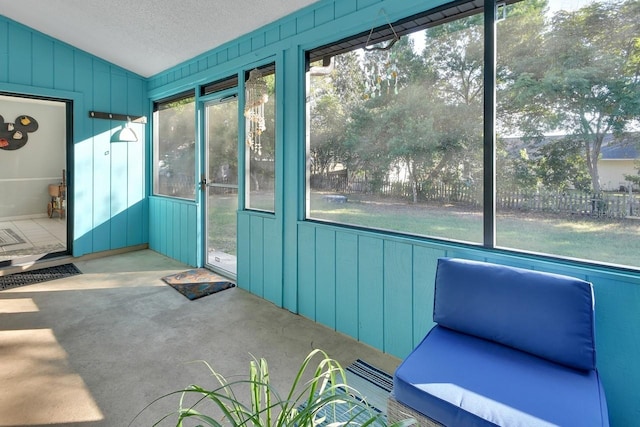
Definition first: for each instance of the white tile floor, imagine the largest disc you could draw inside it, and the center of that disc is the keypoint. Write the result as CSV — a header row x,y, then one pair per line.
x,y
40,235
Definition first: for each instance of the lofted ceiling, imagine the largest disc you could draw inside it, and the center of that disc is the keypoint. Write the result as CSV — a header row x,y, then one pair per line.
x,y
147,36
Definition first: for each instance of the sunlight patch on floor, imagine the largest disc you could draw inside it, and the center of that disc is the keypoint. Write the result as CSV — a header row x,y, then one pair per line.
x,y
45,390
18,305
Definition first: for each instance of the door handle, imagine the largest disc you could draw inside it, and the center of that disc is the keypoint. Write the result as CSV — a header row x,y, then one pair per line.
x,y
203,183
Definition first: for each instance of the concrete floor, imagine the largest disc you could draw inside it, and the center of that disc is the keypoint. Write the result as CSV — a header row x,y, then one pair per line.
x,y
96,348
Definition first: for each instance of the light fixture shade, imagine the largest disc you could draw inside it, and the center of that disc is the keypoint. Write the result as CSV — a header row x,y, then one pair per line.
x,y
126,134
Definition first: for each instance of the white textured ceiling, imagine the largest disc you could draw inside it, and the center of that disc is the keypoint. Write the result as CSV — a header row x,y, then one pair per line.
x,y
147,36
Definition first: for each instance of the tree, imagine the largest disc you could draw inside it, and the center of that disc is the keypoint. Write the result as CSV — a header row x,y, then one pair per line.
x,y
560,165
454,58
222,123
454,54
333,94
424,112
408,126
381,128
176,148
586,83
365,151
634,179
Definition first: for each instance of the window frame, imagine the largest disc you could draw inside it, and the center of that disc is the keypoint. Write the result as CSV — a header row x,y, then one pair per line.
x,y
430,18
268,68
157,106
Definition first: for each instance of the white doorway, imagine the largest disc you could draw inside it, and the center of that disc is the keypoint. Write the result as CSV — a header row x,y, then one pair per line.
x,y
33,178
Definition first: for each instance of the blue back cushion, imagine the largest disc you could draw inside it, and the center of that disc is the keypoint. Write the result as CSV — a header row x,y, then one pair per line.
x,y
548,315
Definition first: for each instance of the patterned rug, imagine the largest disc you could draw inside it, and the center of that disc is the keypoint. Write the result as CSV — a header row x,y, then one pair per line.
x,y
197,283
9,237
37,276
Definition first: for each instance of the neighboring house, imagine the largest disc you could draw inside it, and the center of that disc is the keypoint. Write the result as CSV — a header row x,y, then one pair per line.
x,y
618,157
616,161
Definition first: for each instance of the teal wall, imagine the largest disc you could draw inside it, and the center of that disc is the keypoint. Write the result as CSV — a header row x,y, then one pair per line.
x,y
375,287
379,289
107,181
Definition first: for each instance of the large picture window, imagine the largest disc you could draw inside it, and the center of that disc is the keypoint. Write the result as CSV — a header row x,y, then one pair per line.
x,y
568,147
174,147
395,129
395,133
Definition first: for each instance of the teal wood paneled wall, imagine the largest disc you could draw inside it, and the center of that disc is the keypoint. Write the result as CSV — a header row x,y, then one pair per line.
x,y
260,255
108,181
375,287
174,228
379,290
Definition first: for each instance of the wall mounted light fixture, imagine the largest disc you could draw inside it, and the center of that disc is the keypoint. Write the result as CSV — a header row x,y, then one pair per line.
x,y
126,134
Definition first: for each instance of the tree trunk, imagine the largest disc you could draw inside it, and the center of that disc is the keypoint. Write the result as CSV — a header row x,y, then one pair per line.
x,y
256,183
592,154
413,178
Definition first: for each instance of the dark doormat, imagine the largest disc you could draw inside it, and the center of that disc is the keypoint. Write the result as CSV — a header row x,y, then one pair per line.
x,y
197,283
37,276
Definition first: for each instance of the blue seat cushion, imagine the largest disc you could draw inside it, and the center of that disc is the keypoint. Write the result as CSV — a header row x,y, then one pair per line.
x,y
548,315
460,380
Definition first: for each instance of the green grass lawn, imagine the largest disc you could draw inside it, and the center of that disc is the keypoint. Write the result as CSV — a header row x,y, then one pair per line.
x,y
610,241
222,223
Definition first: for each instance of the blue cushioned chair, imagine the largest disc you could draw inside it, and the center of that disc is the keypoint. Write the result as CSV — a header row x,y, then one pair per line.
x,y
511,347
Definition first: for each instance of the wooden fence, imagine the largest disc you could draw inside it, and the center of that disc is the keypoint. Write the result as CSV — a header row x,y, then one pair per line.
x,y
605,205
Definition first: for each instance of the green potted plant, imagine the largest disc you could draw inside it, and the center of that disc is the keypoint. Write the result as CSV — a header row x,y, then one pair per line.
x,y
319,395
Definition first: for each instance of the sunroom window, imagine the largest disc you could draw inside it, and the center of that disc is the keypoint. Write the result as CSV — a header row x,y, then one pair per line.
x,y
260,138
395,131
396,122
174,143
568,146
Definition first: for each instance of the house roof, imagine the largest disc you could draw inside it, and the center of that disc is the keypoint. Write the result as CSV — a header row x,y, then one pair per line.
x,y
147,36
613,148
619,152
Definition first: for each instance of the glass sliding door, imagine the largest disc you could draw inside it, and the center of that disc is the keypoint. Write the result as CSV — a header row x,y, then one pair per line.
x,y
221,121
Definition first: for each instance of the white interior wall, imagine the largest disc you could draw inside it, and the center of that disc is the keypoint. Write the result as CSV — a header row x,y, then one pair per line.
x,y
25,173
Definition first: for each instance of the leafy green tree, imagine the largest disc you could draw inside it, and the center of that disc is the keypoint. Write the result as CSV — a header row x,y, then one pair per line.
x,y
454,53
222,122
387,71
408,126
454,63
519,49
176,148
335,91
634,179
523,172
372,148
365,150
560,165
586,81
328,122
